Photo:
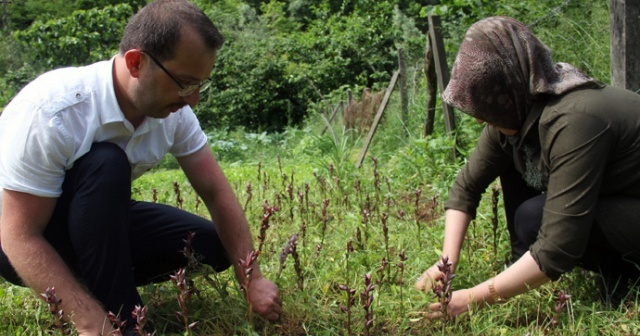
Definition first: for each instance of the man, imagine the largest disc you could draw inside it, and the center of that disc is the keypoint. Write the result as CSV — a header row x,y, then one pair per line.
x,y
72,141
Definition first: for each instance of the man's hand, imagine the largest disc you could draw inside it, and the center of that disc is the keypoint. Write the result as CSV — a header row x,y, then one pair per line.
x,y
93,321
208,179
265,298
23,242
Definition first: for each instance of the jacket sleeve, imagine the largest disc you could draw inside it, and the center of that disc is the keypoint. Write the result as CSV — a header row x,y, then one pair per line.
x,y
485,164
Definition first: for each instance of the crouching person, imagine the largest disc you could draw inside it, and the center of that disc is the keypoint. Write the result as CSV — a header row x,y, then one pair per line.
x,y
74,139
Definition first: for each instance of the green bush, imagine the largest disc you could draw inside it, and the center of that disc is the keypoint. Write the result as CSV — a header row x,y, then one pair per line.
x,y
273,67
86,36
23,13
283,58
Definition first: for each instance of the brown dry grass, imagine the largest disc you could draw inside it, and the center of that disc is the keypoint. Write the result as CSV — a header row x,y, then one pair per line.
x,y
359,115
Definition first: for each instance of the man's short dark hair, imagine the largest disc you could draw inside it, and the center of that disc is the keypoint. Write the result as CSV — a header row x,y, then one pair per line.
x,y
156,28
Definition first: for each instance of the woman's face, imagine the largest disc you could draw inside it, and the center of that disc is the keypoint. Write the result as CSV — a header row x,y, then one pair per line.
x,y
505,131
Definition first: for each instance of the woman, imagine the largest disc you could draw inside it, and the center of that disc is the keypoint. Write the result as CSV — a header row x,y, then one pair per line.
x,y
567,151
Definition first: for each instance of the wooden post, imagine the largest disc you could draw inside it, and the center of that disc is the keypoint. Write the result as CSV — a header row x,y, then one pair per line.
x,y
625,44
432,87
442,70
376,120
404,100
330,120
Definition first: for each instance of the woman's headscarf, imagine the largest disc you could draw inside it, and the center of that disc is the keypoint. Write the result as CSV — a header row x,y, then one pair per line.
x,y
500,68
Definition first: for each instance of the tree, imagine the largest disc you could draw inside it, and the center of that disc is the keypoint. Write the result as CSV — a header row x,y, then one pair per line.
x,y
83,37
24,12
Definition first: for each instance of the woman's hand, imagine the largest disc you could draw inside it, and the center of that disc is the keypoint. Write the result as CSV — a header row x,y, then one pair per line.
x,y
460,301
430,277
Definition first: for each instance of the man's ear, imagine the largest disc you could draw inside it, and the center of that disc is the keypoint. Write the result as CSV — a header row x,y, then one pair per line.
x,y
133,59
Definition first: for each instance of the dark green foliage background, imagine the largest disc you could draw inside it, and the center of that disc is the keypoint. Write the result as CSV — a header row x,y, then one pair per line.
x,y
283,59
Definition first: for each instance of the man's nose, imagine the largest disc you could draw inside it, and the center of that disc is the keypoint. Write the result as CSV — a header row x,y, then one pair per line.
x,y
193,98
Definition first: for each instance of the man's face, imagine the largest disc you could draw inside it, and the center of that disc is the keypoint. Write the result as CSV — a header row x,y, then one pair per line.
x,y
157,94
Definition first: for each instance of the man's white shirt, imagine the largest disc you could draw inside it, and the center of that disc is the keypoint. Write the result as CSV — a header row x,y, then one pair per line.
x,y
56,118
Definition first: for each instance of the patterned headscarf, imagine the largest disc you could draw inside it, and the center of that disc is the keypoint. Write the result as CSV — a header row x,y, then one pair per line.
x,y
499,70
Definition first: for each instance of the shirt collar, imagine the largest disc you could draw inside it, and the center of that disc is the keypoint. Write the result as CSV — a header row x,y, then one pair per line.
x,y
109,109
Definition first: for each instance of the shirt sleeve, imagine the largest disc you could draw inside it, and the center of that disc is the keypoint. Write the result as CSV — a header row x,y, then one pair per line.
x,y
189,136
35,150
576,155
485,164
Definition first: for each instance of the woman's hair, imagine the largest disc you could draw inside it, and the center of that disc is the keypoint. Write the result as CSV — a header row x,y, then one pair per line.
x,y
156,28
501,68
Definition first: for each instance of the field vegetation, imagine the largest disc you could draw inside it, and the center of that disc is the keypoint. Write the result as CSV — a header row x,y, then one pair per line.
x,y
344,244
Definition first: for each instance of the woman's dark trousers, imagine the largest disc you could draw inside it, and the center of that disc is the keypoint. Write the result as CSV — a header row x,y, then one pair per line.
x,y
613,249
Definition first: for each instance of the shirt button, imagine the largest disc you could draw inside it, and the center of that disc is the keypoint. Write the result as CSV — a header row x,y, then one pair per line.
x,y
78,96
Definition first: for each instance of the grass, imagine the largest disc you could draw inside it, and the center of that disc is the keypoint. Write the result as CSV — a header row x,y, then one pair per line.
x,y
350,223
354,203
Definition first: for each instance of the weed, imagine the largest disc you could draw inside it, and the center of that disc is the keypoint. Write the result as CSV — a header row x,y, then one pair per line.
x,y
246,268
366,299
416,212
385,235
140,314
267,212
53,303
350,302
562,300
186,289
384,268
442,287
249,192
179,199
495,194
292,249
118,324
325,221
403,258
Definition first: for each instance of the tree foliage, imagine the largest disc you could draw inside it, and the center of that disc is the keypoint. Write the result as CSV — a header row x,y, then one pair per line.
x,y
22,13
83,37
282,58
275,63
576,31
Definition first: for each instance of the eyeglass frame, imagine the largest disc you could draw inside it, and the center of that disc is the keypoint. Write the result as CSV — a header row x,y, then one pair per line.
x,y
185,90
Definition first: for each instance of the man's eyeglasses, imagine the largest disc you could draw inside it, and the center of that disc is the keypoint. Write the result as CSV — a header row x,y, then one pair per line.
x,y
185,90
